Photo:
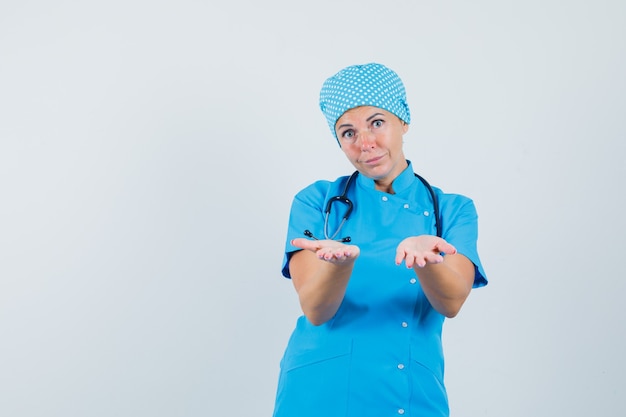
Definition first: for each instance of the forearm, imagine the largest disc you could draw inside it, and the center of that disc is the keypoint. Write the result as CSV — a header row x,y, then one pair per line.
x,y
320,285
447,284
323,293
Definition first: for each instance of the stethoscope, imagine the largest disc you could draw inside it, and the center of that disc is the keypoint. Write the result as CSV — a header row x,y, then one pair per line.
x,y
349,206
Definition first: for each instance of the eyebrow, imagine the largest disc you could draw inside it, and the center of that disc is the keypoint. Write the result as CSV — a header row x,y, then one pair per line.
x,y
368,119
374,115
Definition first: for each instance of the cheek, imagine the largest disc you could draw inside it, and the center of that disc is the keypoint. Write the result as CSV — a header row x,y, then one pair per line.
x,y
351,153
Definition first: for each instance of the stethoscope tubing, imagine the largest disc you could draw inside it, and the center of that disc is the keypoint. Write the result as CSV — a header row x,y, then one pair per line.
x,y
343,198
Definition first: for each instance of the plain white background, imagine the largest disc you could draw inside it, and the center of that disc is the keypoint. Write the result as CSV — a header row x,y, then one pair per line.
x,y
149,151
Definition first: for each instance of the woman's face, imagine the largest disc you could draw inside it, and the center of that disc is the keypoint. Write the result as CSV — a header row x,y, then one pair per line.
x,y
371,138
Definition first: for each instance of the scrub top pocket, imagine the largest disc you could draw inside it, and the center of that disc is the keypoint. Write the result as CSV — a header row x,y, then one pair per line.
x,y
315,381
428,394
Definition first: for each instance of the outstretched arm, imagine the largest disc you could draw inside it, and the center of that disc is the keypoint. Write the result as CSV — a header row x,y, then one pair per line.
x,y
446,280
320,275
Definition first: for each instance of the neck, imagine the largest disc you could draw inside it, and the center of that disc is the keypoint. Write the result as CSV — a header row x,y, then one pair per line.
x,y
386,186
385,183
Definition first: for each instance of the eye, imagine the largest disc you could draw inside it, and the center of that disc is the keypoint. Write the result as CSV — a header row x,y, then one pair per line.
x,y
348,135
377,123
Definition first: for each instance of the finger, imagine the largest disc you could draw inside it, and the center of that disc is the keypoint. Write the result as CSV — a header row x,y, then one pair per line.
x,y
420,261
331,257
324,254
445,247
335,255
303,243
400,255
350,251
433,258
330,253
342,255
345,252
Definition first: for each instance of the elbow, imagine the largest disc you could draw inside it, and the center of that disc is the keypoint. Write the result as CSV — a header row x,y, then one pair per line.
x,y
316,322
450,310
451,307
450,314
316,319
317,315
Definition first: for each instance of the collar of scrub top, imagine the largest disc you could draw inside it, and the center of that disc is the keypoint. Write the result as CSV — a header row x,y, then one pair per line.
x,y
401,183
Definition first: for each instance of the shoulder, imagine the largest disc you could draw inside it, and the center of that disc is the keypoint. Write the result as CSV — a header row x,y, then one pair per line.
x,y
452,199
455,207
320,189
456,200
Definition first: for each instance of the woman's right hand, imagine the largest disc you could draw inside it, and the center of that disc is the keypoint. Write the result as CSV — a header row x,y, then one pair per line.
x,y
329,250
320,274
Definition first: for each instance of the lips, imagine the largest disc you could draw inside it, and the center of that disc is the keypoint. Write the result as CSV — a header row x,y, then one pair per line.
x,y
374,160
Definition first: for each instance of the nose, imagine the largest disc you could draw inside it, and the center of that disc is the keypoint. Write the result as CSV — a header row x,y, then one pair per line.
x,y
368,139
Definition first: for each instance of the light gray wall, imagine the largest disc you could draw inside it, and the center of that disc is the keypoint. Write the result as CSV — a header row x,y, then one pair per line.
x,y
149,152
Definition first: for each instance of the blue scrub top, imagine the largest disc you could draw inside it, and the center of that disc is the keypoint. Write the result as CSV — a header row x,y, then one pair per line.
x,y
381,354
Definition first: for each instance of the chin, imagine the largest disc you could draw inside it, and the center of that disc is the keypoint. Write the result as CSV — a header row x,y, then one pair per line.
x,y
376,173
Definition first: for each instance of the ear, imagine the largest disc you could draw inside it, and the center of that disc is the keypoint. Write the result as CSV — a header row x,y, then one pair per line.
x,y
405,127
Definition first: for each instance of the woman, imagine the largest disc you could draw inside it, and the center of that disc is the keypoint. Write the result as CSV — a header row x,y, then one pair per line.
x,y
369,342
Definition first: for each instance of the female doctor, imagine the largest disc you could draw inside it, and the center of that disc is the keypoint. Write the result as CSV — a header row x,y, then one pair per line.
x,y
374,280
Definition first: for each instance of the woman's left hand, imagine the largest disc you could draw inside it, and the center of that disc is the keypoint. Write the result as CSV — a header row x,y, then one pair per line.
x,y
422,250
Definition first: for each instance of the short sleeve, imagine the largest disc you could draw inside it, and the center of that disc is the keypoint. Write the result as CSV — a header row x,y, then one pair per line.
x,y
307,213
460,229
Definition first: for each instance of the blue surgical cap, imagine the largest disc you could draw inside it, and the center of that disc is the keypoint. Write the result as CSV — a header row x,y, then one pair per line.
x,y
363,85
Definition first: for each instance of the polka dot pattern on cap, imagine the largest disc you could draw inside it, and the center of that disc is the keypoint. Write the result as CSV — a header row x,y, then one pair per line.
x,y
363,85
